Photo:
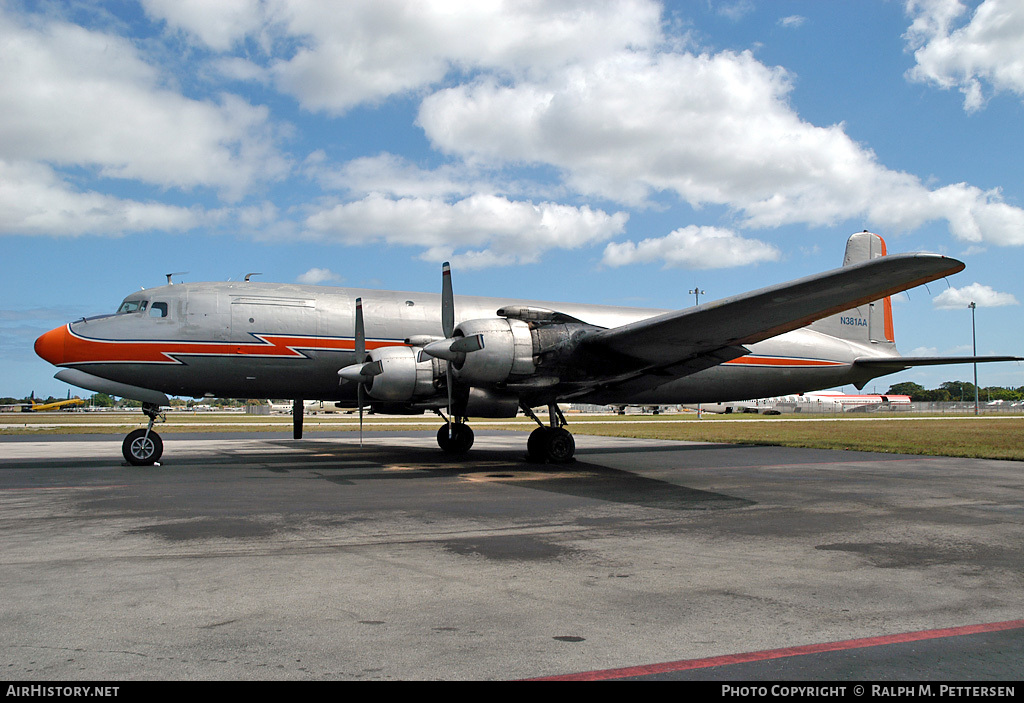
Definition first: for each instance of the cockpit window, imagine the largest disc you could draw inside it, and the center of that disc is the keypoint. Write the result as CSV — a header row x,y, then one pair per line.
x,y
132,306
158,310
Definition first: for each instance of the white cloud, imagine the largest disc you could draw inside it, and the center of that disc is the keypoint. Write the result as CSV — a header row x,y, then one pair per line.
x,y
346,53
316,276
983,296
480,230
735,10
219,25
792,21
586,91
73,97
986,51
395,176
34,201
712,129
694,248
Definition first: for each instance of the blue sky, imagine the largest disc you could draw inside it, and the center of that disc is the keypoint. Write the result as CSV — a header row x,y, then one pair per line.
x,y
606,152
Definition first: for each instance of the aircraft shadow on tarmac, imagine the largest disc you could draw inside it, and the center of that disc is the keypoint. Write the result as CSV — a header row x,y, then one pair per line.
x,y
580,479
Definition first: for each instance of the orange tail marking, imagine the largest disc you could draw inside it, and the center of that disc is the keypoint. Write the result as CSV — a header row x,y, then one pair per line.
x,y
890,333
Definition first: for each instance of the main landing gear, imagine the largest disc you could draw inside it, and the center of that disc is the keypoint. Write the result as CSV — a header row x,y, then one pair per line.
x,y
455,436
143,447
548,443
553,442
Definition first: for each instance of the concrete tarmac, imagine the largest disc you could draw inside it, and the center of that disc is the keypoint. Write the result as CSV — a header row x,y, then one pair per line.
x,y
246,557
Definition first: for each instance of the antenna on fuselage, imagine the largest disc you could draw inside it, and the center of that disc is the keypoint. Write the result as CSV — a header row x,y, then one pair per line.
x,y
176,273
251,274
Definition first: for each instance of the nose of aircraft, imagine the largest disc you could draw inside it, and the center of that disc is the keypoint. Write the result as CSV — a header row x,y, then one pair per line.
x,y
50,346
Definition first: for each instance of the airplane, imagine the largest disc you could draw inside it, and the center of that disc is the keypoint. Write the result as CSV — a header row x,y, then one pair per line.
x,y
309,406
279,407
489,357
815,401
35,406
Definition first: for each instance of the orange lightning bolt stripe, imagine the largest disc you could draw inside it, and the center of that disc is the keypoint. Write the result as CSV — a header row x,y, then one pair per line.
x,y
85,350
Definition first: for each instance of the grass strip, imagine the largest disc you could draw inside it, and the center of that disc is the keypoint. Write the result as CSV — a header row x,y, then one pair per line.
x,y
965,436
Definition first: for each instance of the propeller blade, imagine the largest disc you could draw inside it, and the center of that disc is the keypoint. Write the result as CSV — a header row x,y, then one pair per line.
x,y
447,328
360,340
447,301
450,381
361,371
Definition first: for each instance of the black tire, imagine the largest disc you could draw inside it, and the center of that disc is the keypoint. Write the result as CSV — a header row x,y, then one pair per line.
x,y
560,445
460,441
140,450
537,444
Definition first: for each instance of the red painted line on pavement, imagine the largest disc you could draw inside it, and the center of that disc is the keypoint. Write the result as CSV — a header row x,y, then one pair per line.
x,y
688,664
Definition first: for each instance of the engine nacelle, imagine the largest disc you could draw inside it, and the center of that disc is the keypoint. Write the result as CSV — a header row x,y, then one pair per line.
x,y
507,351
402,377
483,402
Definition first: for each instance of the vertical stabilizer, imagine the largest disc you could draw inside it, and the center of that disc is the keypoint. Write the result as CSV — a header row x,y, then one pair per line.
x,y
870,323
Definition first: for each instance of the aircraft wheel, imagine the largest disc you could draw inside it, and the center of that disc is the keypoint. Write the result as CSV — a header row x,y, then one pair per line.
x,y
460,441
560,445
140,450
537,444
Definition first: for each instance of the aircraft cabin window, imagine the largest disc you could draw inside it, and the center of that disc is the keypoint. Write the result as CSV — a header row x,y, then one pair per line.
x,y
158,310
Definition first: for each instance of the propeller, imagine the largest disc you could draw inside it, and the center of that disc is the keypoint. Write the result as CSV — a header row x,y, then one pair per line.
x,y
452,349
447,329
363,370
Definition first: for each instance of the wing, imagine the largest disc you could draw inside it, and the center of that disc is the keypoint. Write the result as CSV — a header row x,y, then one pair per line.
x,y
709,334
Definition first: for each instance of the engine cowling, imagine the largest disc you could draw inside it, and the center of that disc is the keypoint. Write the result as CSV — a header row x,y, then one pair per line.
x,y
402,377
484,402
507,351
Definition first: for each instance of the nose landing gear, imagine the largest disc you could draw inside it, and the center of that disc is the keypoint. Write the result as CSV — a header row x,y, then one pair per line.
x,y
143,447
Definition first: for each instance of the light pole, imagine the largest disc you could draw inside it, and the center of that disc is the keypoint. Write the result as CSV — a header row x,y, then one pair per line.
x,y
974,347
697,293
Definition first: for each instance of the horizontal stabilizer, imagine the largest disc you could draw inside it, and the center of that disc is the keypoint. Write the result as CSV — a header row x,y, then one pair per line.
x,y
892,364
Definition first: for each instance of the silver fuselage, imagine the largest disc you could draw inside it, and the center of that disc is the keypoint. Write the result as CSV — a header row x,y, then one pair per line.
x,y
263,340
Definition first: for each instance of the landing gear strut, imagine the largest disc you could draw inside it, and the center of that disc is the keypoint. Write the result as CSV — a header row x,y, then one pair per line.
x,y
144,447
454,437
551,443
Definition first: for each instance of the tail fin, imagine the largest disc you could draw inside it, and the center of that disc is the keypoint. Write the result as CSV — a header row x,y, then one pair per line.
x,y
869,323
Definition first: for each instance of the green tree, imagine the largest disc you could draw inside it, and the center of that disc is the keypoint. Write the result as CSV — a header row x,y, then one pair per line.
x,y
959,390
915,390
102,400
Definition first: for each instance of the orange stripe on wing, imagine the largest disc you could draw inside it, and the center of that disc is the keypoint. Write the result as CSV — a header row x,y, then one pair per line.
x,y
783,361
